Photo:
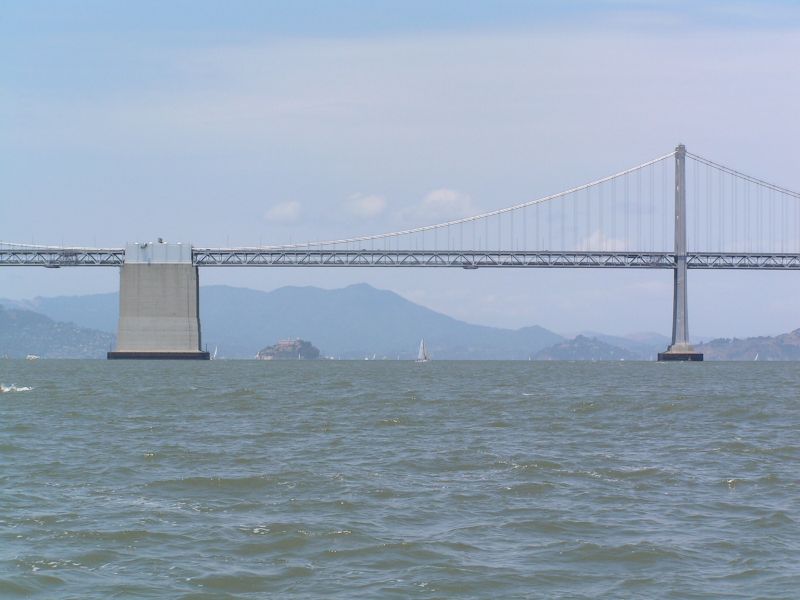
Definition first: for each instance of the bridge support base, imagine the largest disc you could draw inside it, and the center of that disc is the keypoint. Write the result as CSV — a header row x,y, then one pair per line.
x,y
159,355
670,356
158,305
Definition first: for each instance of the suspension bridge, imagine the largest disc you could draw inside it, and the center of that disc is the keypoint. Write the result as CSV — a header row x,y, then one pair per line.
x,y
679,211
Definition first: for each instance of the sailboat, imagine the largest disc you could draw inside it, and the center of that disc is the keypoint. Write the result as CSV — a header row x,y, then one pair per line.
x,y
423,355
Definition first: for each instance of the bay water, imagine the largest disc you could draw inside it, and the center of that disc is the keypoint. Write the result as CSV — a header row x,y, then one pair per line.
x,y
389,479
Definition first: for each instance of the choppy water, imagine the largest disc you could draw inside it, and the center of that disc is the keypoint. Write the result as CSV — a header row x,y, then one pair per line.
x,y
390,479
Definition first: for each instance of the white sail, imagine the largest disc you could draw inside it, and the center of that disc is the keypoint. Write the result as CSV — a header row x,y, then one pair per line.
x,y
423,356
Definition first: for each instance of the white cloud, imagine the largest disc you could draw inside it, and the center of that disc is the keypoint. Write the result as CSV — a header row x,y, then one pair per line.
x,y
365,207
286,212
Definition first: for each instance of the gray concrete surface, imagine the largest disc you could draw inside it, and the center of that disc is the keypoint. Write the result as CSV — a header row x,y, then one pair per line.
x,y
158,308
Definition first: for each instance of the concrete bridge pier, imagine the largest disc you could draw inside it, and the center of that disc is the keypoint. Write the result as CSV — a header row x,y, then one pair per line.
x,y
680,349
158,304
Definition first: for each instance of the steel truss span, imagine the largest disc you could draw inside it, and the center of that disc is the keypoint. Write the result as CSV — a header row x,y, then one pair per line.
x,y
208,257
54,258
789,262
293,257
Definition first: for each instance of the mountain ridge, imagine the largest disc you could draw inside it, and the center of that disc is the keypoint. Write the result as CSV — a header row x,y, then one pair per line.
x,y
785,346
24,332
351,322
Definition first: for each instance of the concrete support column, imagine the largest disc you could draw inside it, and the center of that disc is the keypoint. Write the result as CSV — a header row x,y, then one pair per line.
x,y
158,304
680,349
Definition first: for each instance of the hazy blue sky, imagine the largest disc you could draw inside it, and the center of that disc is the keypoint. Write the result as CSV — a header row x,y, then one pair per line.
x,y
254,122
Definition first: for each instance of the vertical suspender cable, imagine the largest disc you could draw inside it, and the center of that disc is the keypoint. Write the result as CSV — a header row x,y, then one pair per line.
x,y
748,240
601,226
511,228
796,235
695,205
784,219
630,198
759,218
524,229
609,231
626,214
588,217
796,226
665,201
721,196
500,242
735,215
711,185
562,244
771,226
575,234
651,171
639,201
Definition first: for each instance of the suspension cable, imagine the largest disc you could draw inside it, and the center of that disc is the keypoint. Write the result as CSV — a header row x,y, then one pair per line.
x,y
741,175
485,215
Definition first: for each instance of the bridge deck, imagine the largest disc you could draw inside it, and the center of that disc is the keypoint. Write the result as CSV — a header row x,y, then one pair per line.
x,y
310,257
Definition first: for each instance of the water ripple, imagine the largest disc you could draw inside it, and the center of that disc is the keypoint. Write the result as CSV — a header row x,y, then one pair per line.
x,y
350,480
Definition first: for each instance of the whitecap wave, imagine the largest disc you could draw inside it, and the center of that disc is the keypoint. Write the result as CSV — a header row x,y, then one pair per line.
x,y
14,388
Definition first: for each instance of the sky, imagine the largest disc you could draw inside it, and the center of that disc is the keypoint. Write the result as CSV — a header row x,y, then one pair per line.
x,y
258,122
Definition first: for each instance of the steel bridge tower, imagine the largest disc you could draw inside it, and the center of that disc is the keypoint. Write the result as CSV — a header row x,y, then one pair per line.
x,y
680,349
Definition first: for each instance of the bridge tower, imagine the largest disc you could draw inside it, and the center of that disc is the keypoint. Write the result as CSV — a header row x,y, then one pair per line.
x,y
680,349
158,304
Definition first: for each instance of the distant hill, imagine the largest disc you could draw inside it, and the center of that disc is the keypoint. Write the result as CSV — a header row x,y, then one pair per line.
x,y
95,311
23,332
644,346
585,348
351,322
780,347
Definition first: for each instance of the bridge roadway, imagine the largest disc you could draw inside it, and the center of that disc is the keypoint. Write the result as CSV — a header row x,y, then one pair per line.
x,y
56,257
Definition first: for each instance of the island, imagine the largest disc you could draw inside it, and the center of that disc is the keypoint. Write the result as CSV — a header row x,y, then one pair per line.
x,y
289,350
